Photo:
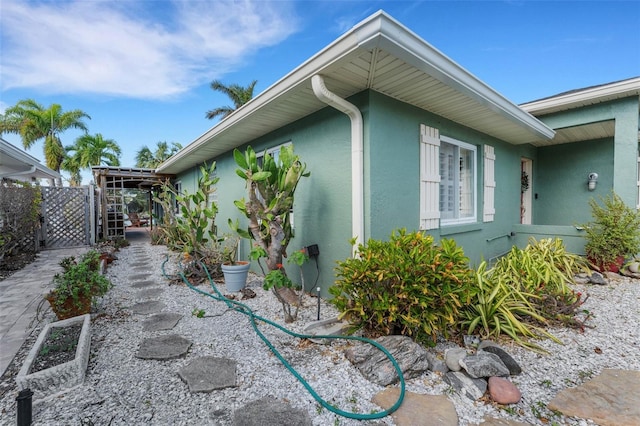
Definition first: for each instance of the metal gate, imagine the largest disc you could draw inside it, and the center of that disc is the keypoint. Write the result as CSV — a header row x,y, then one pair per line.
x,y
66,217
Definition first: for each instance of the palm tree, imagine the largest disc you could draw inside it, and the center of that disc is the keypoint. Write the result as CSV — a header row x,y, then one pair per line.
x,y
238,94
90,151
34,122
150,160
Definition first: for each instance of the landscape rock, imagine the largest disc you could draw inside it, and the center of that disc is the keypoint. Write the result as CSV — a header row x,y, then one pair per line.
x,y
483,344
453,356
597,278
270,411
511,364
208,373
374,365
414,406
437,363
503,391
465,385
484,364
492,421
608,399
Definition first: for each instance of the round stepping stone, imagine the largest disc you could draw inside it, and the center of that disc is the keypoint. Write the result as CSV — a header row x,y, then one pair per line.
x,y
146,308
208,373
149,293
270,411
163,347
161,321
144,284
138,276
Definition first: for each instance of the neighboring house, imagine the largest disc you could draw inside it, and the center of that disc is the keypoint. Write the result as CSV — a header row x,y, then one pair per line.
x,y
397,135
16,164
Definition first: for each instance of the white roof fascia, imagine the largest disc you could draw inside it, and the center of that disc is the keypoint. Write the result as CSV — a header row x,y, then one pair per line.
x,y
377,30
561,102
410,47
11,151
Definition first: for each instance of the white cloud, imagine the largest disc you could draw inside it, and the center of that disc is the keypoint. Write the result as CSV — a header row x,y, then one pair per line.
x,y
141,49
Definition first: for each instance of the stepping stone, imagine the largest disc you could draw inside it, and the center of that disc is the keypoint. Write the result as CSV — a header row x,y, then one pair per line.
x,y
208,373
149,293
270,411
146,308
418,409
138,276
144,284
163,347
492,421
161,321
142,269
608,399
141,263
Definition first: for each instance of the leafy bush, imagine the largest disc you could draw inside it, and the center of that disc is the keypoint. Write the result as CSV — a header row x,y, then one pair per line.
x,y
525,290
614,231
407,285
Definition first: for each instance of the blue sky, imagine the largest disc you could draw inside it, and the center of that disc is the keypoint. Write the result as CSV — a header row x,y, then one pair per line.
x,y
141,69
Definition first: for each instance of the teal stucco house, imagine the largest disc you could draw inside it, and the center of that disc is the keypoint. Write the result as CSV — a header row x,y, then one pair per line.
x,y
397,135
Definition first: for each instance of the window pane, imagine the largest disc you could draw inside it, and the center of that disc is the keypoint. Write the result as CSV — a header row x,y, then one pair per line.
x,y
466,183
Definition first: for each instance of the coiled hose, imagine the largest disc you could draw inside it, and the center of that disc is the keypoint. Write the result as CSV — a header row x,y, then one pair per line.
x,y
244,309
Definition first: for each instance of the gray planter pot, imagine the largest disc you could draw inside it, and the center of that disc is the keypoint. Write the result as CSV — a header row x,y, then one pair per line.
x,y
235,276
61,377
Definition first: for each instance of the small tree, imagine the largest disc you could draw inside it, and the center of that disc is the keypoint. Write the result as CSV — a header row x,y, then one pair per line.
x,y
271,187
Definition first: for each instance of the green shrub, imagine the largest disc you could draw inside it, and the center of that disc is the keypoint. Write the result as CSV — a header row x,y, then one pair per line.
x,y
407,285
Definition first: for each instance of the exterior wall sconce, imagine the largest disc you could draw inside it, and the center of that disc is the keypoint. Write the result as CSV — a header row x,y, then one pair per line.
x,y
593,179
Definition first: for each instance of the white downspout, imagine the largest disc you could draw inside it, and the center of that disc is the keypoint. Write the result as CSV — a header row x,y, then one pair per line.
x,y
357,154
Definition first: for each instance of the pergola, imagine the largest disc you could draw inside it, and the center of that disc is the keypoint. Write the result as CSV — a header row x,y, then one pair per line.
x,y
111,183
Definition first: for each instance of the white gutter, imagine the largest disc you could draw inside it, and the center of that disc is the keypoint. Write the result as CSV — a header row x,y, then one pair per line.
x,y
357,154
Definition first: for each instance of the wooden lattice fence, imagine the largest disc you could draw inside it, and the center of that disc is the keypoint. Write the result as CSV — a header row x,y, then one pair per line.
x,y
19,218
66,216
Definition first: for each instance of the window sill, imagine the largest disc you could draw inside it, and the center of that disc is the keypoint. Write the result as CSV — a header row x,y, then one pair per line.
x,y
460,229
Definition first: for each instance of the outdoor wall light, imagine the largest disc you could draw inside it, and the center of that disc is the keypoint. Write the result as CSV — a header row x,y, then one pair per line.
x,y
593,179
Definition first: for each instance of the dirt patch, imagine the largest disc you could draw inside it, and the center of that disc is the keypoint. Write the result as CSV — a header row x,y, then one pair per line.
x,y
10,264
59,347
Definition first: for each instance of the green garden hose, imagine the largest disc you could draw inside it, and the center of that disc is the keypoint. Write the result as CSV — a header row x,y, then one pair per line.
x,y
242,308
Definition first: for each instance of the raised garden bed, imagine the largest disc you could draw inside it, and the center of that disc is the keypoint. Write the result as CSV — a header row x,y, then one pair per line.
x,y
59,358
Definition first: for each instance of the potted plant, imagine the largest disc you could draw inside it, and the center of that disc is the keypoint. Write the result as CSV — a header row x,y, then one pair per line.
x,y
78,284
235,271
613,233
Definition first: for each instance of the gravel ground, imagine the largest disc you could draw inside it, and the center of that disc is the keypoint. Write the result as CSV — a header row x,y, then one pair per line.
x,y
121,389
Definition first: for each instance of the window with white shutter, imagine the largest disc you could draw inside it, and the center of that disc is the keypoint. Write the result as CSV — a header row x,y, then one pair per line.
x,y
489,210
429,177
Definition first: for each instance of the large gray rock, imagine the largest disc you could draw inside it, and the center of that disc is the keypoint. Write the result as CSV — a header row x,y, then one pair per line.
x,y
270,411
208,373
465,385
376,367
511,364
484,364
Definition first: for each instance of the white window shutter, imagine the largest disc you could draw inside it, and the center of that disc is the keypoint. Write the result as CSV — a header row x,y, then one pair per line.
x,y
429,177
489,209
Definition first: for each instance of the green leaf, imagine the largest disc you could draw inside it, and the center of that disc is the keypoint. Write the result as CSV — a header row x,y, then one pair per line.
x,y
260,176
240,159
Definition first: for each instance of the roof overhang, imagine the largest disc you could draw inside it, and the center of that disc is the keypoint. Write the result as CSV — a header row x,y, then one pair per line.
x,y
379,54
18,165
584,97
579,99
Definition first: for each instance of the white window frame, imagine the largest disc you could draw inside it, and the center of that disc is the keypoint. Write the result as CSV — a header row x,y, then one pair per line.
x,y
177,185
474,182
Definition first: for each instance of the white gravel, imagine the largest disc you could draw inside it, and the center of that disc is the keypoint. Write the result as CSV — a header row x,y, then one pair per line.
x,y
121,389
